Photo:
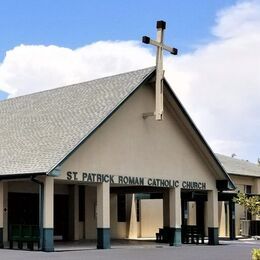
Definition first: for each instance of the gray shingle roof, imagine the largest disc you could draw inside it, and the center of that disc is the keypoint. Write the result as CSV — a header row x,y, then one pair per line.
x,y
238,166
39,130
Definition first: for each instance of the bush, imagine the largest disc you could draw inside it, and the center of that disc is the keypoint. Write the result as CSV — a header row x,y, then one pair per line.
x,y
251,203
256,254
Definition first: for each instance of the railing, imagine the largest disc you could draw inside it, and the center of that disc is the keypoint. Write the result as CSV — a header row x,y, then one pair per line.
x,y
24,234
192,234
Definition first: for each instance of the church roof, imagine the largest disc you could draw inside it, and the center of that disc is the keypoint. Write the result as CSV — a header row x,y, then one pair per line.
x,y
39,130
238,166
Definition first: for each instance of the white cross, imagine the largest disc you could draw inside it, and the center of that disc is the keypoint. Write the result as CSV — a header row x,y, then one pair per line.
x,y
161,25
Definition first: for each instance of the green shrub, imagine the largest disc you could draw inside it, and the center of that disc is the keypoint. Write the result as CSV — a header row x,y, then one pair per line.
x,y
256,254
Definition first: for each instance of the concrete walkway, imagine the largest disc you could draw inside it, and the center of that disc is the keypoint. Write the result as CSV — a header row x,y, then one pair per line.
x,y
228,250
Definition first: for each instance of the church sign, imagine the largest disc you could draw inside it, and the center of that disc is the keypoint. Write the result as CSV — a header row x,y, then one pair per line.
x,y
131,180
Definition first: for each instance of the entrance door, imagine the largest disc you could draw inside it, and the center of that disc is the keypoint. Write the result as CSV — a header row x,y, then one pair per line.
x,y
23,208
200,214
61,213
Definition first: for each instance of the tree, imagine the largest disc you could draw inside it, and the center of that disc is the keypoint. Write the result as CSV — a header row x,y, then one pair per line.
x,y
251,203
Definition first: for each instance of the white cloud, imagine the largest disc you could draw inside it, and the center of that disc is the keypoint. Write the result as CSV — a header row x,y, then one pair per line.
x,y
28,68
223,92
219,83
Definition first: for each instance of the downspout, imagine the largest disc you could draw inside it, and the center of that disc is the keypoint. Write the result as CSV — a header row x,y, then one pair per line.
x,y
41,190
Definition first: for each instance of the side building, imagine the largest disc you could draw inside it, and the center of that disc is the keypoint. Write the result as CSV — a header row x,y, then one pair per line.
x,y
246,177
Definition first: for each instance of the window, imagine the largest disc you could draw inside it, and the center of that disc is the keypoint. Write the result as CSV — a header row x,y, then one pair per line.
x,y
248,189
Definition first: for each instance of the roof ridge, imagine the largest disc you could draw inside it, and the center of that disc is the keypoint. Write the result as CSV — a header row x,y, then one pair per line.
x,y
74,84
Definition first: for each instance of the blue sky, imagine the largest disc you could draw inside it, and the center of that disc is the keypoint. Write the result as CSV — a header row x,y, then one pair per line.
x,y
76,23
73,24
214,74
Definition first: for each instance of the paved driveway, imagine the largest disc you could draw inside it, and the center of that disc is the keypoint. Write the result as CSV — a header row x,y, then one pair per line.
x,y
227,251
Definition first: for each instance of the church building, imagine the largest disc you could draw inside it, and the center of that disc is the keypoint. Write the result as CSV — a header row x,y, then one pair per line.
x,y
73,160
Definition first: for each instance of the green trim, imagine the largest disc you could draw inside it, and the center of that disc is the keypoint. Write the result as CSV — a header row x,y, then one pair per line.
x,y
56,172
145,79
174,236
103,238
213,236
48,243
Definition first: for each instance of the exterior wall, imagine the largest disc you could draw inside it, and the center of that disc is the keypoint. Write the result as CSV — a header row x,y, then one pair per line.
x,y
151,217
22,187
129,145
191,213
30,187
256,186
118,229
223,219
240,182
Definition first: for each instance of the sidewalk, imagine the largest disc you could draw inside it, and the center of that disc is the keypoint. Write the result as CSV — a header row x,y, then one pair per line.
x,y
227,250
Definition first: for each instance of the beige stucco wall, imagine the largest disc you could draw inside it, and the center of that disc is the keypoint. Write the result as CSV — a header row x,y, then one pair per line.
x,y
118,229
129,145
240,181
151,217
222,219
31,187
191,213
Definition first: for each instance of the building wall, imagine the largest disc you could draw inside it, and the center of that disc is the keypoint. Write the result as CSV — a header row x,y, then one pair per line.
x,y
151,217
240,182
118,229
129,145
191,213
